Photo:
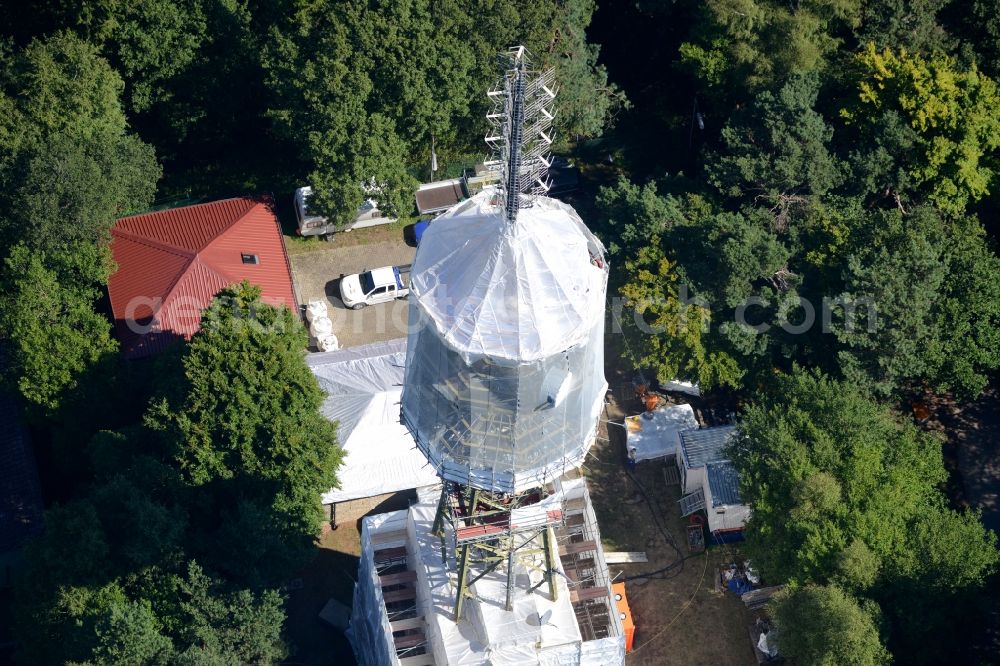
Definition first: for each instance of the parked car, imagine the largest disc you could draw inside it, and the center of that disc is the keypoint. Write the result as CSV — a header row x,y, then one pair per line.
x,y
368,215
412,233
378,285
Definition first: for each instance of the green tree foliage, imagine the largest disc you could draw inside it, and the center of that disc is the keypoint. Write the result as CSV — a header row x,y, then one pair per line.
x,y
979,22
128,634
756,43
824,467
233,445
59,86
229,628
909,24
931,125
245,423
665,330
69,167
155,618
822,625
150,42
931,293
778,148
47,314
362,87
844,492
900,302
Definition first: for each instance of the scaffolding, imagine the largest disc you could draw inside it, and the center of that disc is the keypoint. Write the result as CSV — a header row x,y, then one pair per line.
x,y
491,530
404,610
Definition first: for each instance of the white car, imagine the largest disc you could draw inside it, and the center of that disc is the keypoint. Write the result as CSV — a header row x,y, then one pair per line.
x,y
378,285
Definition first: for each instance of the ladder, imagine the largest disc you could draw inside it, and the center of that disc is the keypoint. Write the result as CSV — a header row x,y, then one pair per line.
x,y
693,502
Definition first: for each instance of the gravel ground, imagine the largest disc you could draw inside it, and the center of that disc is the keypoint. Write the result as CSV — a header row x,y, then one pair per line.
x,y
317,275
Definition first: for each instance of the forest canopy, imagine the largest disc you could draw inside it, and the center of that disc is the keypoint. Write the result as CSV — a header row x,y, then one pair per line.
x,y
800,206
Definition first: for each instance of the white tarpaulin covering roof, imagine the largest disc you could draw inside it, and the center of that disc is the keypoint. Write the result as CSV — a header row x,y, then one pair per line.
x,y
519,291
363,387
657,434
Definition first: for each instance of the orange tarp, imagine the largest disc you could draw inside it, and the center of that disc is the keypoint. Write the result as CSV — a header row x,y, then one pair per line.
x,y
625,613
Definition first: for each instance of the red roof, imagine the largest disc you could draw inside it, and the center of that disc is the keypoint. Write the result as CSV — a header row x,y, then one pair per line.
x,y
171,263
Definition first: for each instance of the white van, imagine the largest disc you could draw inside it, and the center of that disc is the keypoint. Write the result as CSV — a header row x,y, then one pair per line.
x,y
368,215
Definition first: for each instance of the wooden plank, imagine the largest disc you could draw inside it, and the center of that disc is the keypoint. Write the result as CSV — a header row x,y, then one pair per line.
x,y
409,640
418,660
389,554
624,557
463,534
397,578
575,519
760,596
586,593
581,547
409,623
400,595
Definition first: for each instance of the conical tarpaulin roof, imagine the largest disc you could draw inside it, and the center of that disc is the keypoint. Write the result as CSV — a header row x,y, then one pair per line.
x,y
520,291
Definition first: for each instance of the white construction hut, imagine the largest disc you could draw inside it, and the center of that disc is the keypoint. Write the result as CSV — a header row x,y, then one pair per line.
x,y
709,480
727,514
656,434
363,387
698,447
405,596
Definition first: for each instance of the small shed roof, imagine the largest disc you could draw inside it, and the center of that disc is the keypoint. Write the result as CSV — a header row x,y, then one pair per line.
x,y
724,483
705,445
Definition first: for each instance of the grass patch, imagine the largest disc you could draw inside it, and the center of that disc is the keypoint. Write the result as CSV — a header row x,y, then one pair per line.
x,y
369,235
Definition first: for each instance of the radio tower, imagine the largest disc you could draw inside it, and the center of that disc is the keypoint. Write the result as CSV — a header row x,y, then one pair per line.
x,y
522,118
504,373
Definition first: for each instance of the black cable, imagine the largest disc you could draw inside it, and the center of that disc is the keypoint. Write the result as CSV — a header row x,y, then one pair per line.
x,y
656,574
680,559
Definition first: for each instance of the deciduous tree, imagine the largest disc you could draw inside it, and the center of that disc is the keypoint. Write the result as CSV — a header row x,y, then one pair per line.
x,y
244,418
929,127
822,625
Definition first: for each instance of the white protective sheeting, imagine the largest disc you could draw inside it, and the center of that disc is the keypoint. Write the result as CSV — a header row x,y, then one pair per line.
x,y
657,434
521,291
364,387
537,631
682,387
505,365
370,632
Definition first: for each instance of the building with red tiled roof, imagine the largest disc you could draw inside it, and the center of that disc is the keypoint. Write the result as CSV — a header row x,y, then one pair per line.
x,y
172,262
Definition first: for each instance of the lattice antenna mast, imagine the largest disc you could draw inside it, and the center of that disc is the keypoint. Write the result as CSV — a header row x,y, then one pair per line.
x,y
521,136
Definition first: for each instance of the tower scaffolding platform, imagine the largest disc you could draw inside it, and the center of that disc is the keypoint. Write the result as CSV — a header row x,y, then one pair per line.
x,y
404,613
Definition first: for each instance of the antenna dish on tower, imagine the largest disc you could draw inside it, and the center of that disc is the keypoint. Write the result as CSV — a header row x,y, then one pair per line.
x,y
521,137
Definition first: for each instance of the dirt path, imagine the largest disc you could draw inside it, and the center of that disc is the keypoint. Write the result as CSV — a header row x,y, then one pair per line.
x,y
681,618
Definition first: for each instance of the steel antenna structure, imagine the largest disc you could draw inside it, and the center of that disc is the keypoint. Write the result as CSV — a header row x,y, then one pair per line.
x,y
504,377
521,135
